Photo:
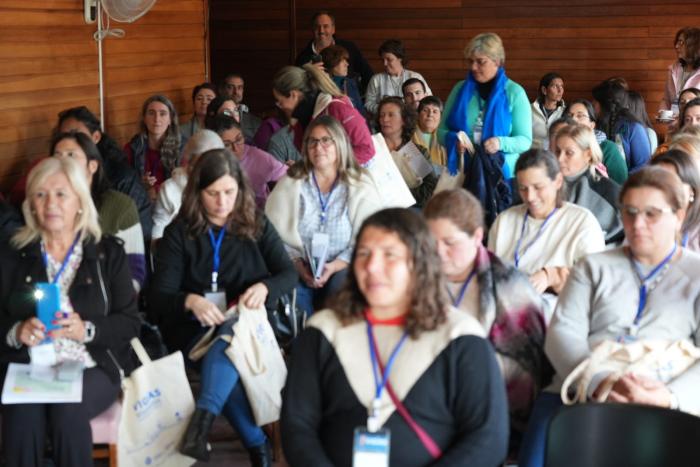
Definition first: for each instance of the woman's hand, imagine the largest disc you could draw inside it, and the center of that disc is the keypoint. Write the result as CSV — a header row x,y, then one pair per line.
x,y
205,311
255,296
149,183
72,327
330,269
540,281
31,332
640,390
492,145
305,273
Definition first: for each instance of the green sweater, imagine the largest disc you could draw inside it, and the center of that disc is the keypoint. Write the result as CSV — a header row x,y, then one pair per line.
x,y
614,162
520,137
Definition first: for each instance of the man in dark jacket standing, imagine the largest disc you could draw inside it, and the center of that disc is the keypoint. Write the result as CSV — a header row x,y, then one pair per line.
x,y
323,25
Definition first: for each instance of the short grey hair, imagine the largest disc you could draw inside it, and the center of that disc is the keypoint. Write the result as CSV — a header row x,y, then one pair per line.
x,y
489,44
87,222
199,143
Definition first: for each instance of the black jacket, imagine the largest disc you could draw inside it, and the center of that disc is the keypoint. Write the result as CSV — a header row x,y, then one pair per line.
x,y
184,266
102,292
358,64
125,179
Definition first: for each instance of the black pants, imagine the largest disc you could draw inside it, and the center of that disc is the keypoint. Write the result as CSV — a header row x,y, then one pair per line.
x,y
25,426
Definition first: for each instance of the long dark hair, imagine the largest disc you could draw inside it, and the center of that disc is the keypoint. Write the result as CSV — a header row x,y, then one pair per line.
x,y
243,220
614,103
429,300
408,116
109,148
545,81
170,148
100,184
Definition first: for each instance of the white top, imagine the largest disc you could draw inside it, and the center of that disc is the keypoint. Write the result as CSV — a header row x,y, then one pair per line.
x,y
382,85
168,203
571,233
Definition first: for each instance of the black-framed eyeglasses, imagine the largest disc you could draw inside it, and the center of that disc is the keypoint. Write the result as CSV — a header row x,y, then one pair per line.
x,y
324,141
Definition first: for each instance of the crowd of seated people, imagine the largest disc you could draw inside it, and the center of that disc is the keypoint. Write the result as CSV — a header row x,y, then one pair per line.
x,y
451,333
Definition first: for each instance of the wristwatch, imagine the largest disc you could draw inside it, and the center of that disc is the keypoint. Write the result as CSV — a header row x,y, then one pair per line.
x,y
89,331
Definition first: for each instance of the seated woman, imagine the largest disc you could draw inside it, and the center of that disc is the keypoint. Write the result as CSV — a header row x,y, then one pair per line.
x,y
396,121
117,212
684,167
336,61
497,295
324,198
583,113
638,107
170,195
390,81
62,243
307,93
394,311
545,235
691,114
120,174
426,136
620,125
155,151
221,105
261,168
579,156
202,95
547,108
218,251
645,290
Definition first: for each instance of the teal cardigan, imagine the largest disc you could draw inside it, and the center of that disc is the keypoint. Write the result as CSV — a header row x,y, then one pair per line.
x,y
520,138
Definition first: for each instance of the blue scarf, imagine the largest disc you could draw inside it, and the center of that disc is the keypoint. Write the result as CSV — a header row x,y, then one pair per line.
x,y
497,118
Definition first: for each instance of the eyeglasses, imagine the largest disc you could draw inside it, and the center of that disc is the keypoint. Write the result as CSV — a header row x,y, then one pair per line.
x,y
580,116
651,214
229,112
236,142
324,141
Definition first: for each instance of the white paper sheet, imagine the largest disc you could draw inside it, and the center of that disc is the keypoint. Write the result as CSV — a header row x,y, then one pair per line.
x,y
20,388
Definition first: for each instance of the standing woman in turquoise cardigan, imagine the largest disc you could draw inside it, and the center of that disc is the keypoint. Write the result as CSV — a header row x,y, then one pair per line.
x,y
488,107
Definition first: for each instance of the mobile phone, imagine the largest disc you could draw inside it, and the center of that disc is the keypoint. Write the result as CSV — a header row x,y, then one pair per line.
x,y
48,302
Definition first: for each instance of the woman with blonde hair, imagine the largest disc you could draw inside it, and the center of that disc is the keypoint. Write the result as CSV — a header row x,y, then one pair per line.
x,y
307,93
324,197
579,157
492,110
62,244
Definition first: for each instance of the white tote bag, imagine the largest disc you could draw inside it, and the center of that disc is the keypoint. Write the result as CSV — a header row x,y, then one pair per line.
x,y
156,409
390,184
257,357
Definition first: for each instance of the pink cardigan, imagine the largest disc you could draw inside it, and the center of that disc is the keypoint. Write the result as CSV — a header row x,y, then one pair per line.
x,y
354,123
675,72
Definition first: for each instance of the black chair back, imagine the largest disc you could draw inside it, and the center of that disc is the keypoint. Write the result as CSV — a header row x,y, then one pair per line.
x,y
615,435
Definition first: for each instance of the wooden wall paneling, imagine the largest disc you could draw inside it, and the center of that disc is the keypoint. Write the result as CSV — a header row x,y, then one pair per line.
x,y
586,41
48,62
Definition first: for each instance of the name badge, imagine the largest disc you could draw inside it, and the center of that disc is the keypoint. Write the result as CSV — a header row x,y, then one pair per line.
x,y
218,299
371,449
43,355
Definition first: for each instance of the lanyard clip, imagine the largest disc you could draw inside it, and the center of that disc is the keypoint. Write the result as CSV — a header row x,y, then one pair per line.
x,y
214,281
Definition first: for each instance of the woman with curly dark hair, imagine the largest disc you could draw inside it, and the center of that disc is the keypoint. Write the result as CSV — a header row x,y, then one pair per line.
x,y
219,250
397,122
155,151
441,396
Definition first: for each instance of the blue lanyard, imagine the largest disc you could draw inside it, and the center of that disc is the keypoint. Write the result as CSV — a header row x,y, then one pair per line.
x,y
643,279
216,245
463,290
323,202
380,380
684,241
45,257
517,256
